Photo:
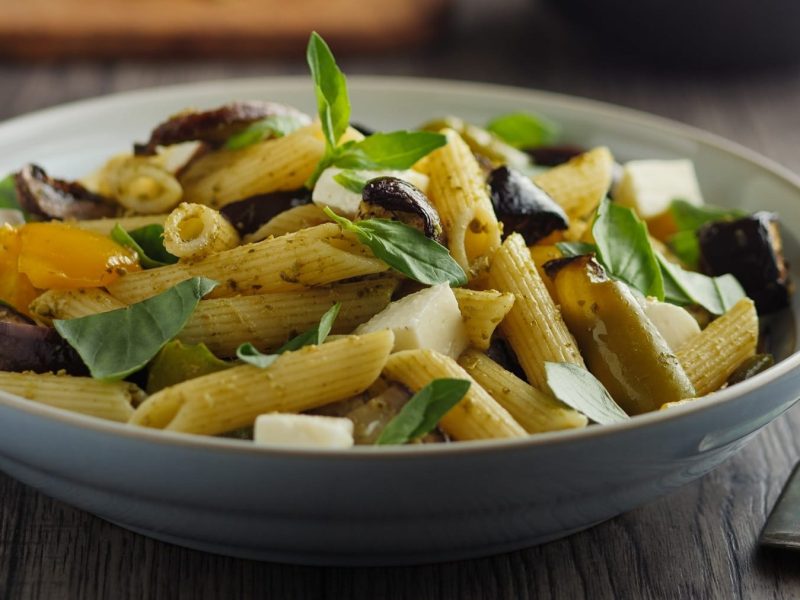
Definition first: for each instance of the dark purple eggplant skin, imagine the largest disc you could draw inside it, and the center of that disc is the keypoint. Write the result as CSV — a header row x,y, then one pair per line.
x,y
397,200
212,126
50,198
552,156
523,207
25,346
751,250
500,352
248,214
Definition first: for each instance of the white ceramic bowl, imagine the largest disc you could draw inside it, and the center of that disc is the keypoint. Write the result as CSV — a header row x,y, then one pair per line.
x,y
408,504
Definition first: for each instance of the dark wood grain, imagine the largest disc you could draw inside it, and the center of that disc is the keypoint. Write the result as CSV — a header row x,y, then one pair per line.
x,y
700,542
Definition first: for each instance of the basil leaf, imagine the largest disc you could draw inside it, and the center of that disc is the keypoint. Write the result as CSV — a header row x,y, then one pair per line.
x,y
423,411
715,294
8,193
575,248
524,130
395,150
250,354
688,219
350,180
330,86
147,242
624,248
686,247
177,362
405,249
579,389
115,344
274,126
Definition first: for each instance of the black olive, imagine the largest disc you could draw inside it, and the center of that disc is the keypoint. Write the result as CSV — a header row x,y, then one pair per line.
x,y
751,250
524,207
44,196
249,214
397,200
552,156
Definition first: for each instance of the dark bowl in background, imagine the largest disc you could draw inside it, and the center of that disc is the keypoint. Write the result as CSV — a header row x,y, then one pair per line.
x,y
686,33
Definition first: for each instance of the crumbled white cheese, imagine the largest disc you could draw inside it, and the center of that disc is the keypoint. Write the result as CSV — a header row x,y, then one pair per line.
x,y
309,431
649,186
674,323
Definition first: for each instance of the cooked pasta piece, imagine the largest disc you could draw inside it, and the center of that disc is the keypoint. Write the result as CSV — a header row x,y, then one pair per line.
x,y
482,313
268,320
108,400
477,416
297,381
458,191
71,304
713,354
289,221
224,176
311,257
104,226
581,183
193,231
143,186
534,326
533,409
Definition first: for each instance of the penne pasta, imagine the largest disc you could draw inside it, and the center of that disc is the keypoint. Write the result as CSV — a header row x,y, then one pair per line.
x,y
71,304
534,326
458,191
143,186
312,257
298,381
477,416
714,353
193,231
531,408
289,221
482,312
107,400
268,320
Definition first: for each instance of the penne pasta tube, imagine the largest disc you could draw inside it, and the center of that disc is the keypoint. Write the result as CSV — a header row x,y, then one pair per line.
x,y
143,186
104,226
534,326
312,257
482,312
107,400
289,221
268,320
459,192
297,381
477,416
713,354
531,408
223,176
193,231
71,304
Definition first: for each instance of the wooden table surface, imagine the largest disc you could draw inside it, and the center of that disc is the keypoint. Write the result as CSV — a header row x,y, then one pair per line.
x,y
700,542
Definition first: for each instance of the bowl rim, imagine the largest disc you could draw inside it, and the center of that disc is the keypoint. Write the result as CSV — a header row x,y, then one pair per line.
x,y
420,85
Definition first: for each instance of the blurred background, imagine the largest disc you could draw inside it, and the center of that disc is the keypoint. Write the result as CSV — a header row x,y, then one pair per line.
x,y
725,65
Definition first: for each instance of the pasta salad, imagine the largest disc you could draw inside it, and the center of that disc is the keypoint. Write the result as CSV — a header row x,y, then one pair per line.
x,y
250,271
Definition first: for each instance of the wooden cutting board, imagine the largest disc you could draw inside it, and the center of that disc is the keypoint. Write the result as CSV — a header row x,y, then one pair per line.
x,y
52,29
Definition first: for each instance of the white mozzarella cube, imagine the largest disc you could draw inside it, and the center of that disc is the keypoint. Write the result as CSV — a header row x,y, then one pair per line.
x,y
674,323
307,431
11,216
344,202
650,186
428,319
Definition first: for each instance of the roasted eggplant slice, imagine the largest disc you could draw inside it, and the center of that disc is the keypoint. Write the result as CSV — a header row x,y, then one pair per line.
x,y
523,207
397,200
215,126
51,198
249,214
25,346
751,250
552,156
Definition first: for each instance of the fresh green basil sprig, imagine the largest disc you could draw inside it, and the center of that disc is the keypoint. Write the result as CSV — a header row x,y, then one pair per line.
x,y
147,242
579,389
120,342
8,193
688,219
405,249
250,354
350,180
395,150
524,130
274,126
423,411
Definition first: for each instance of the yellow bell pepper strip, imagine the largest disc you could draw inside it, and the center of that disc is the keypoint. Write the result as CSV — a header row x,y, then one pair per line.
x,y
57,255
15,288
